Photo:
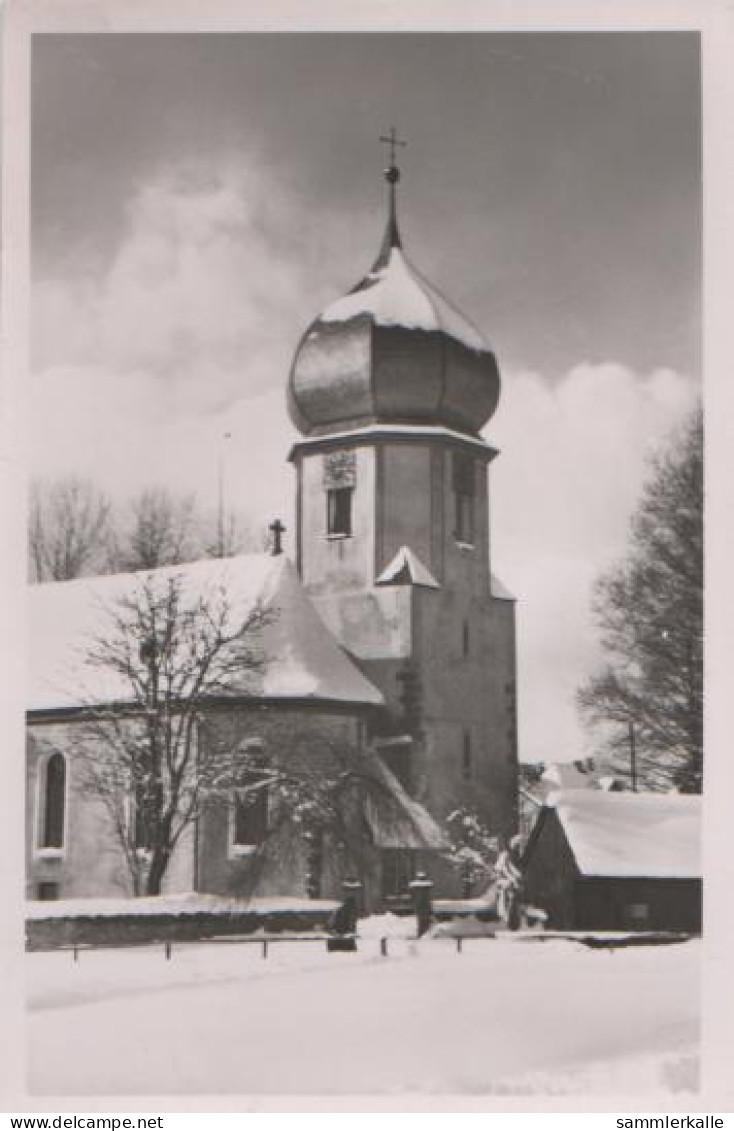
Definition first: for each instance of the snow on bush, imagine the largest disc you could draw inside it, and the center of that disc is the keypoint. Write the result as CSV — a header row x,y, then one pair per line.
x,y
189,903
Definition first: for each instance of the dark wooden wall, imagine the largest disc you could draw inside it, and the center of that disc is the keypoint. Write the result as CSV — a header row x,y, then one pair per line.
x,y
574,902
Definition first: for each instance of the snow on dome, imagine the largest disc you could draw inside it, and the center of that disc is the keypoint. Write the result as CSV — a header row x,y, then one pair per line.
x,y
407,568
395,294
632,834
300,657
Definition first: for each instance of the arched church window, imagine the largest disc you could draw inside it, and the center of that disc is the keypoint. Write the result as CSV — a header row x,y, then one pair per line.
x,y
250,816
53,802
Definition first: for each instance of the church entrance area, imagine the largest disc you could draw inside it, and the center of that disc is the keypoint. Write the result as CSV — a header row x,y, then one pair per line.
x,y
398,869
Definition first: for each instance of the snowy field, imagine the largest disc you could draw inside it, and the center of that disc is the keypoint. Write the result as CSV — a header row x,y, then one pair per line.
x,y
504,1016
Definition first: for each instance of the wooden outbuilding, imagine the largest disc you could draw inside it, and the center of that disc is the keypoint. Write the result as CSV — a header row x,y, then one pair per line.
x,y
616,861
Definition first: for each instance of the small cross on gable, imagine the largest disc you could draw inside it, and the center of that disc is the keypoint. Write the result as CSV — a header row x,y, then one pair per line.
x,y
277,529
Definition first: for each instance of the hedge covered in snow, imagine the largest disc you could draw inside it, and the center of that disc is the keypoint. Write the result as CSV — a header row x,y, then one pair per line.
x,y
105,922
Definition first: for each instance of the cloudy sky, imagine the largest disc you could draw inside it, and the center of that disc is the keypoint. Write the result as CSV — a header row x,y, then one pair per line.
x,y
197,199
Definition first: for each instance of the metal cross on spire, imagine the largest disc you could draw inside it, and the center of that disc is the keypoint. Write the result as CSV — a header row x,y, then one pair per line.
x,y
392,176
393,141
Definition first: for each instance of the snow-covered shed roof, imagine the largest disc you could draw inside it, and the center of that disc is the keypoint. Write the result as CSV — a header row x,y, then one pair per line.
x,y
631,834
406,568
300,658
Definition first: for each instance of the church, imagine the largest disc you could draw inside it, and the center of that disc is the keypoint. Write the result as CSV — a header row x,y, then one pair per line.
x,y
388,632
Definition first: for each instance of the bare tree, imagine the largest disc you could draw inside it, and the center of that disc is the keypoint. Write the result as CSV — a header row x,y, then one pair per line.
x,y
69,529
163,530
172,744
473,850
73,530
170,653
321,792
223,536
650,611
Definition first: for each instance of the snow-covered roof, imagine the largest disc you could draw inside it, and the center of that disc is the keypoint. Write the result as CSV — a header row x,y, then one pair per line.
x,y
184,903
416,431
406,568
632,834
397,820
499,590
300,658
395,294
569,775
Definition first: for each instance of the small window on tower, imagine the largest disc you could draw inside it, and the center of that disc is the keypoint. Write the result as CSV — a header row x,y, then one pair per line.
x,y
47,890
464,493
465,639
339,512
466,756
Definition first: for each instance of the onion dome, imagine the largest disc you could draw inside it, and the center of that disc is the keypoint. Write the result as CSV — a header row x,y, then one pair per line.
x,y
394,351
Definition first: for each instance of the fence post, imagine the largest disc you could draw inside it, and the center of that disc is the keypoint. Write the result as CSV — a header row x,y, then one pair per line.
x,y
383,947
265,948
76,954
459,941
167,950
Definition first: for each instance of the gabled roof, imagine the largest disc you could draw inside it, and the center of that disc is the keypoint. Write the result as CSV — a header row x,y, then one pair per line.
x,y
300,658
407,569
630,834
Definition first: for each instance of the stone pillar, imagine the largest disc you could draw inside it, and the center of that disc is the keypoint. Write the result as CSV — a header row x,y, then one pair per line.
x,y
344,920
352,893
420,889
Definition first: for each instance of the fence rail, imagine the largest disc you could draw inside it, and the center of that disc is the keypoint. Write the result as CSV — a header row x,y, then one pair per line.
x,y
600,940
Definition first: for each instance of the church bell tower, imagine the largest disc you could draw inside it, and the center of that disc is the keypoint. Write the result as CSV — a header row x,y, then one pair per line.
x,y
390,387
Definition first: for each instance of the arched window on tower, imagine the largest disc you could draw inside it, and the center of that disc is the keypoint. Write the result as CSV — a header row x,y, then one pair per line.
x,y
464,498
53,803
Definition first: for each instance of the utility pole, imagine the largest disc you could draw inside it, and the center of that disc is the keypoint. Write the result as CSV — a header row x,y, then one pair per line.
x,y
220,497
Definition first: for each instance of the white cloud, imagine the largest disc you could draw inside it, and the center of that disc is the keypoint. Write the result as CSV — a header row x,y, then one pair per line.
x,y
204,290
573,461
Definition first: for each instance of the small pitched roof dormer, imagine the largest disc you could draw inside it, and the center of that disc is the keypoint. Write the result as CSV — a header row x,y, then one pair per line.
x,y
407,569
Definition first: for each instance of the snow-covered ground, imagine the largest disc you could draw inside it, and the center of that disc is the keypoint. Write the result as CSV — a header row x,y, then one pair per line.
x,y
506,1015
